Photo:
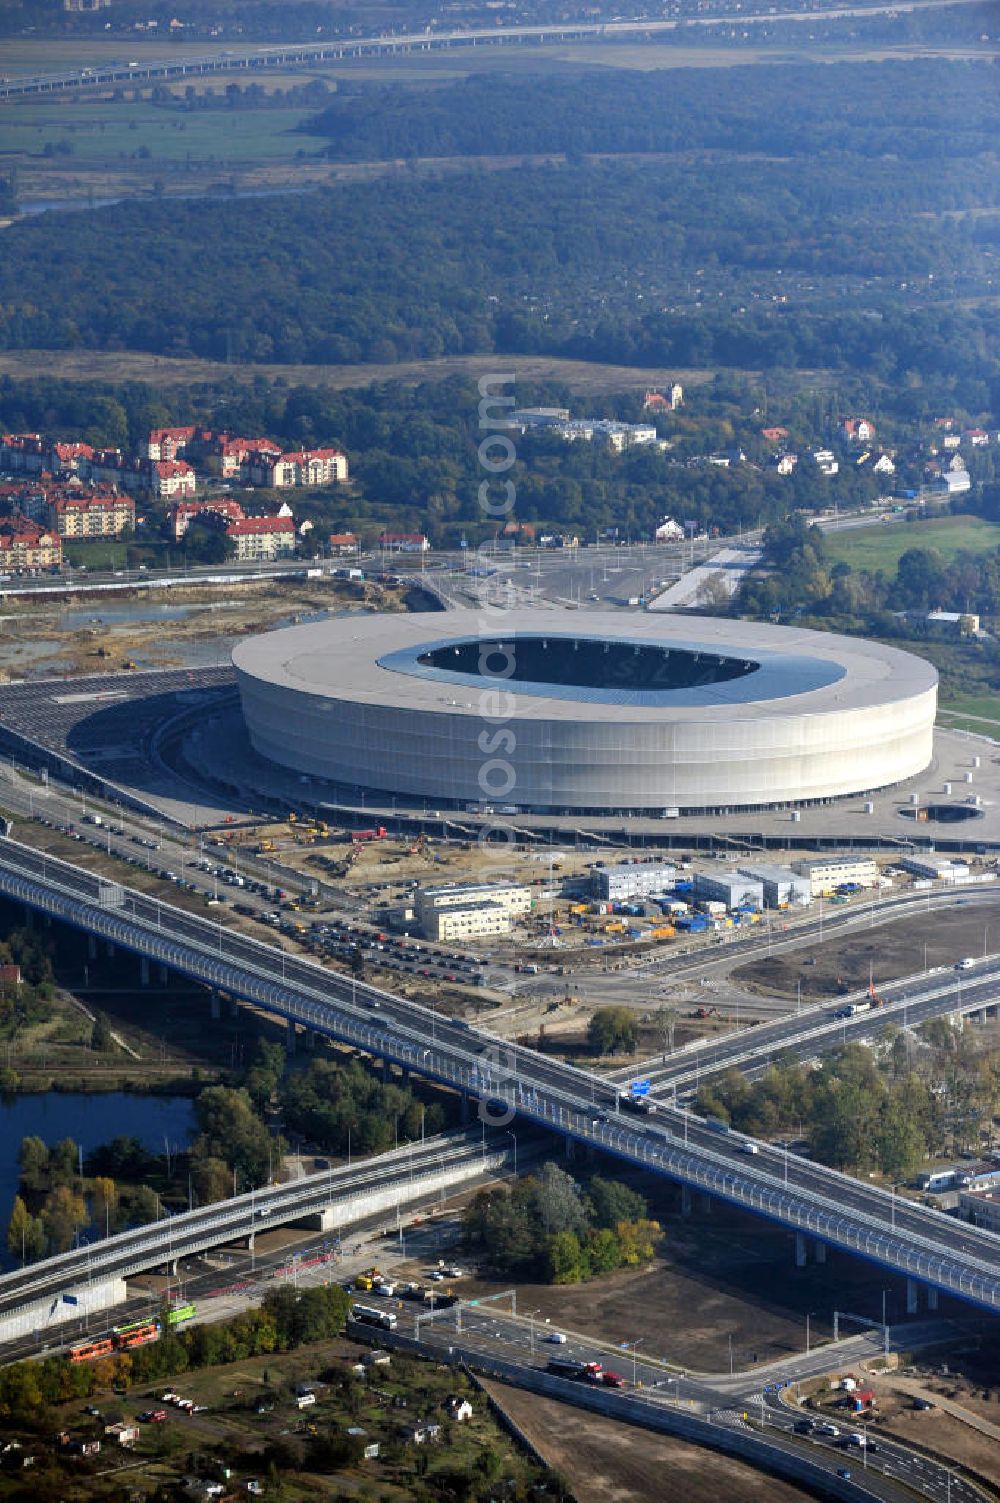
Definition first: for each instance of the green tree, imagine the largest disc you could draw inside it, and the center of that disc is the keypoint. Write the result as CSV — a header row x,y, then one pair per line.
x,y
566,1260
613,1030
613,1202
25,1237
33,1161
101,1041
63,1215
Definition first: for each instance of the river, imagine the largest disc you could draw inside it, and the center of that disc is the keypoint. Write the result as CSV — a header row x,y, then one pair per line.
x,y
89,1120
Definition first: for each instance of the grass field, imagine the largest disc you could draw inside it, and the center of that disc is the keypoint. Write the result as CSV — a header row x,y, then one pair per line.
x,y
882,545
971,712
101,133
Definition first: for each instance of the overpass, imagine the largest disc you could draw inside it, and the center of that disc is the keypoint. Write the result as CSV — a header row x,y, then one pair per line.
x,y
92,1278
820,1026
512,1082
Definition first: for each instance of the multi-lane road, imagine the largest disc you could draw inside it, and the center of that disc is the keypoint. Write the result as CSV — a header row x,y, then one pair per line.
x,y
513,1082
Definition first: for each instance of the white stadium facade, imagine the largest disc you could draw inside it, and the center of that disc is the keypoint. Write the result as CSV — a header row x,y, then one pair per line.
x,y
603,713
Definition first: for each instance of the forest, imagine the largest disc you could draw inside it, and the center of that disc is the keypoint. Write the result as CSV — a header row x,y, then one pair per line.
x,y
747,243
857,110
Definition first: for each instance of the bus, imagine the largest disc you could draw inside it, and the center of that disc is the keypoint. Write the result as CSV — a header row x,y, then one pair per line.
x,y
89,1351
367,1316
179,1313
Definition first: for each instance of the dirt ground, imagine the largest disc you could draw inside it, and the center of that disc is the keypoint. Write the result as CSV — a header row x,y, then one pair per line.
x,y
889,950
603,1460
35,638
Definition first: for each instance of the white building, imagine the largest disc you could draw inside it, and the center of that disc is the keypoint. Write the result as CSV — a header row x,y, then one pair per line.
x,y
731,888
643,879
474,921
470,911
669,531
781,885
937,868
827,873
826,462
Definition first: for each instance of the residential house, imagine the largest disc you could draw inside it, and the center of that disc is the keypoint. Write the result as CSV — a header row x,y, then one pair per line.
x,y
343,544
260,539
94,514
858,430
669,531
460,1409
884,465
978,437
664,401
403,542
784,464
171,477
825,462
951,441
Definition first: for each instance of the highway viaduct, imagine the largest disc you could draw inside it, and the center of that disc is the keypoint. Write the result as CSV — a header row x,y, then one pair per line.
x,y
515,1085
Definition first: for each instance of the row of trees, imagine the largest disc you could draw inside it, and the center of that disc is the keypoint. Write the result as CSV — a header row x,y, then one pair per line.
x,y
548,1227
286,1319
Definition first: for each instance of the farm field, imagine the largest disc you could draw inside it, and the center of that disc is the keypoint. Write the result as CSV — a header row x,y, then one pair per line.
x,y
882,545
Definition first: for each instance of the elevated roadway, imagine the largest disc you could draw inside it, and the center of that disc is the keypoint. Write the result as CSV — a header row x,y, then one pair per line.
x,y
819,1027
513,1082
91,1278
388,44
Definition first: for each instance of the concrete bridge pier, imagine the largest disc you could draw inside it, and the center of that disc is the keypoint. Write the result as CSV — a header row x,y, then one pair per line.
x,y
705,1202
466,1110
290,1037
215,1004
91,947
685,1200
932,1297
234,1010
912,1296
143,970
164,975
109,949
801,1250
819,1252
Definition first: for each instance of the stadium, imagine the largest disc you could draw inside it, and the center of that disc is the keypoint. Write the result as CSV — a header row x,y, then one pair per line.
x,y
534,712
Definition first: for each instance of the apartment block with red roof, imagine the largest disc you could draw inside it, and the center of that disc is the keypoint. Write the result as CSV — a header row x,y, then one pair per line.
x,y
72,459
299,467
260,539
22,453
168,443
186,512
105,514
25,547
171,477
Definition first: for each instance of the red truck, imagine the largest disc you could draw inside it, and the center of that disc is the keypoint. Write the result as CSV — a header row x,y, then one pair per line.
x,y
378,833
612,1380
